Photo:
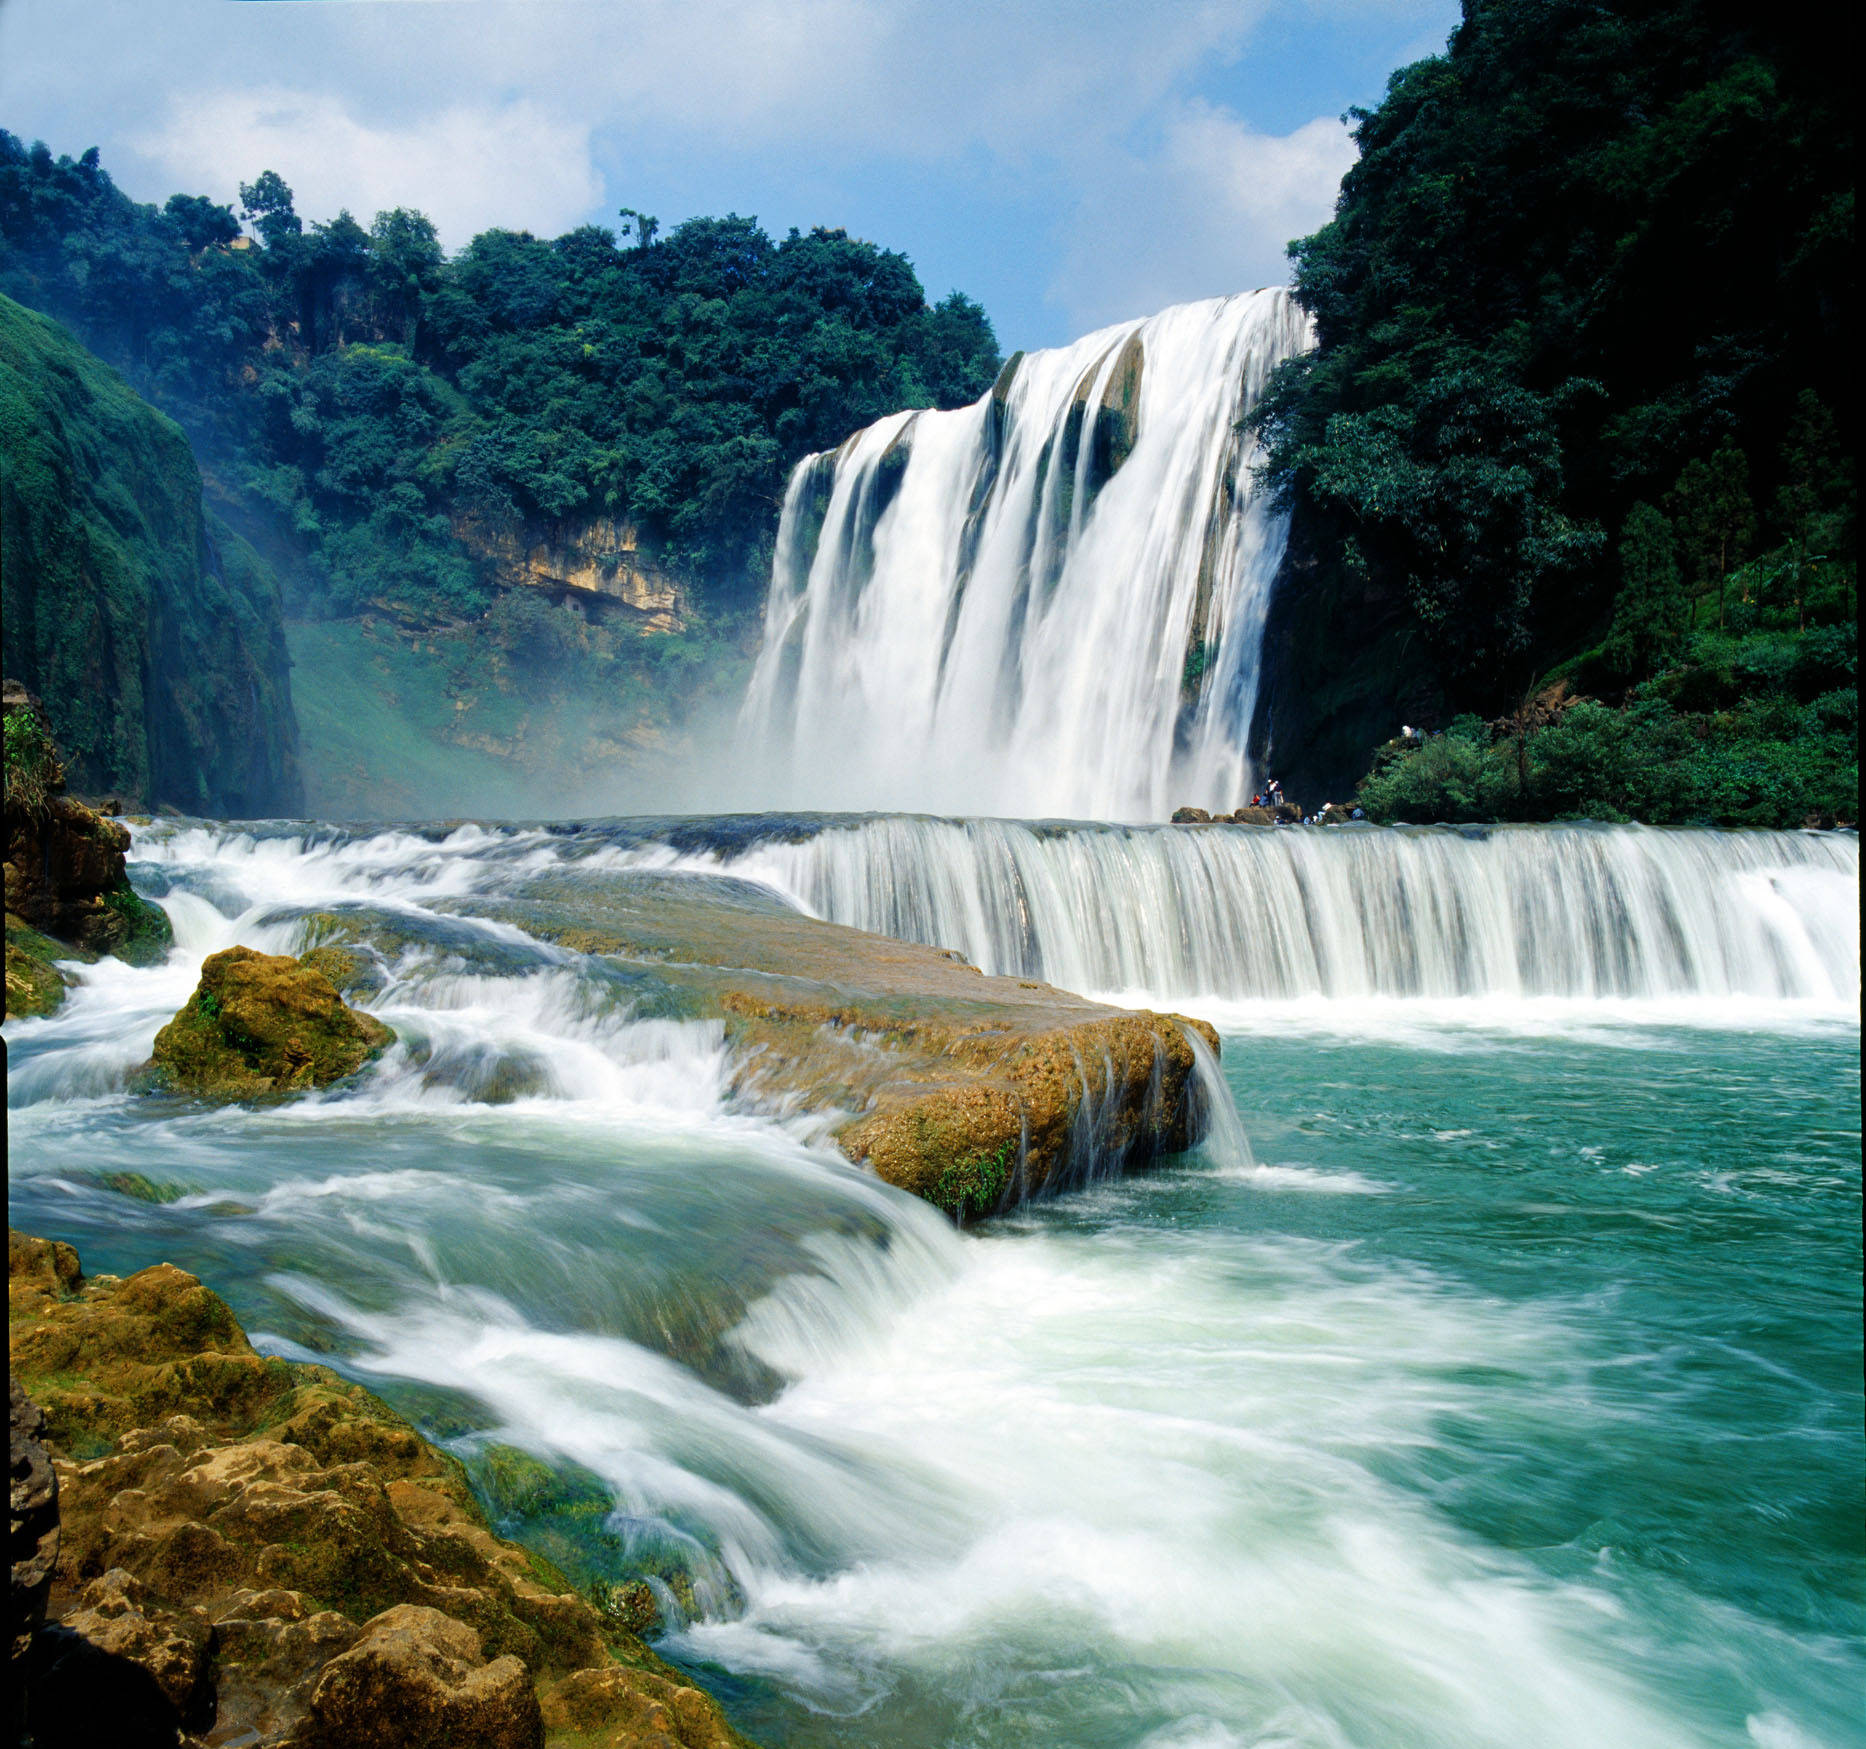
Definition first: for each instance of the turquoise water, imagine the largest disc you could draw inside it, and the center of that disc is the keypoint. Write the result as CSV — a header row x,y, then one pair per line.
x,y
1507,1391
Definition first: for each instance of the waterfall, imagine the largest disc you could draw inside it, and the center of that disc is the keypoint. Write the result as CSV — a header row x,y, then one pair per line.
x,y
1050,602
1573,911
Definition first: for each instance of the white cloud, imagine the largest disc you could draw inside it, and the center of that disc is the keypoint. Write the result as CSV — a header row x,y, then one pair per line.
x,y
1208,210
515,164
516,111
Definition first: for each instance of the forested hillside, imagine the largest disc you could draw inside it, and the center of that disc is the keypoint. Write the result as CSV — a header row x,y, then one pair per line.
x,y
152,632
1580,426
410,437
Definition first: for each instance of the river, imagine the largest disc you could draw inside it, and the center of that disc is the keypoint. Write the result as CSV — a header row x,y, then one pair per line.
x,y
1495,1379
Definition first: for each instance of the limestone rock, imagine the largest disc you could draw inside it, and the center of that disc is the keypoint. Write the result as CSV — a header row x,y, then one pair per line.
x,y
970,1091
417,1679
598,556
263,1023
235,1528
67,890
616,1709
114,1613
1191,817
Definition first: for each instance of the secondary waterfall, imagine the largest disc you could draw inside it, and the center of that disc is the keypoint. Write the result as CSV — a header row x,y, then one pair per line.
x,y
1050,602
1574,911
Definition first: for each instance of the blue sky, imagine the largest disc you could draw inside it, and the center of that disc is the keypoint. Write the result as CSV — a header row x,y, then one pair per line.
x,y
1068,164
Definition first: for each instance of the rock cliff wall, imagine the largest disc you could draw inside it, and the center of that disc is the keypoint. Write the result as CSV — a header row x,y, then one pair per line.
x,y
600,556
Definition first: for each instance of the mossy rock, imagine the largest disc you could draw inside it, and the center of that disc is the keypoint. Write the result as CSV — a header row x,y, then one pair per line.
x,y
288,1509
146,933
34,985
261,1024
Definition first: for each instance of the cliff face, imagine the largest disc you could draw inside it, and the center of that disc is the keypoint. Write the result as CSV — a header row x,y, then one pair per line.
x,y
1345,663
153,634
598,556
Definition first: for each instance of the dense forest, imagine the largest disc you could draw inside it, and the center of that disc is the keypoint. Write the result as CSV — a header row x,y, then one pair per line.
x,y
1571,467
400,432
371,390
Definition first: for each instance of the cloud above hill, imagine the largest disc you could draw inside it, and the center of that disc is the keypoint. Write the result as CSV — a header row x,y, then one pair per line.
x,y
1078,160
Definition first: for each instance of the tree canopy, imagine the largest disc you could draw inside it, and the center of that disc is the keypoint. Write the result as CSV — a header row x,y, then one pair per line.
x,y
369,391
1583,390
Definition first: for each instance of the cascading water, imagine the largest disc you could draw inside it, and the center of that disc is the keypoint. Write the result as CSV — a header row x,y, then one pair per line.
x,y
1505,1396
1051,602
1578,911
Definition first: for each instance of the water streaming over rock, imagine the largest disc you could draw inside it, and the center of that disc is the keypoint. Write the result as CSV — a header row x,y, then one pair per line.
x,y
1572,911
1431,1427
1049,602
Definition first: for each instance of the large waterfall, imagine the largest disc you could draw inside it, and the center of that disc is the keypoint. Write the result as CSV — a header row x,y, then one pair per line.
x,y
1051,602
1575,911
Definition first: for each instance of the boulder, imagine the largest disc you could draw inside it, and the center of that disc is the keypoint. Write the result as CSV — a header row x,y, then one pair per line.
x,y
1191,817
262,1024
417,1679
1253,817
68,893
257,1543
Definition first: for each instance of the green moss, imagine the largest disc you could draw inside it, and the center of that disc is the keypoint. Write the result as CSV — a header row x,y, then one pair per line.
x,y
261,1024
147,933
971,1187
161,664
515,1484
34,985
153,1190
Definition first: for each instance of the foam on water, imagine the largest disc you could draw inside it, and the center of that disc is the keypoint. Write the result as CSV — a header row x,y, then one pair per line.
x,y
1133,1469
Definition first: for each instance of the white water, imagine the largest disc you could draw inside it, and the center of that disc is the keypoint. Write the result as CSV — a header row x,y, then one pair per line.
x,y
981,628
1092,1477
1579,912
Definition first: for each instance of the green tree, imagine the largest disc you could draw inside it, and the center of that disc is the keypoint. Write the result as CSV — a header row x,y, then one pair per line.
x,y
1715,519
266,202
1648,614
404,267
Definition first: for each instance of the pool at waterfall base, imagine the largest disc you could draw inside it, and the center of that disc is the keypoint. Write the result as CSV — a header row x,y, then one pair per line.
x,y
1493,1378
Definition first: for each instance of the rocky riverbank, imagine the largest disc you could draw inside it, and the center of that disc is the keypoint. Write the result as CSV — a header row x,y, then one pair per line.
x,y
68,894
245,1550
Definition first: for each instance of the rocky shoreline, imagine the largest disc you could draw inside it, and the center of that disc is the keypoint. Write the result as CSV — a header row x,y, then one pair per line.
x,y
214,1548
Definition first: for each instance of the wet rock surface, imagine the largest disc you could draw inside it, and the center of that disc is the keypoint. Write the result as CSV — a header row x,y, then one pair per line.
x,y
262,1024
972,1092
32,1523
252,1551
68,894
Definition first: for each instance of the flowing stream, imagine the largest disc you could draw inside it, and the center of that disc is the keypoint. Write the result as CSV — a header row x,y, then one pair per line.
x,y
1494,1380
1050,602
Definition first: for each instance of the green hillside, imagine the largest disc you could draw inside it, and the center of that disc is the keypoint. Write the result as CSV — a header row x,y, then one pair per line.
x,y
153,634
1580,424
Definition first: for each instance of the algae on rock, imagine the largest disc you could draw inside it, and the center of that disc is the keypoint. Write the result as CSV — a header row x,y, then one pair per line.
x,y
284,1557
262,1023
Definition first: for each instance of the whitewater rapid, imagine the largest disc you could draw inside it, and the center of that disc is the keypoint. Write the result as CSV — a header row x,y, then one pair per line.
x,y
1050,602
1263,1447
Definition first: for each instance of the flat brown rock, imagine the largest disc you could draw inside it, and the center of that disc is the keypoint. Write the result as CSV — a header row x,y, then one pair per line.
x,y
970,1091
